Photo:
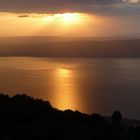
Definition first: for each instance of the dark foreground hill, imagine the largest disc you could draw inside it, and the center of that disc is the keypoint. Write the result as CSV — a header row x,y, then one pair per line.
x,y
25,118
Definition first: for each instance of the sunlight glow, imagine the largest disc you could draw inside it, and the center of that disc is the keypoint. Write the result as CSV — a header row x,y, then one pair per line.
x,y
65,18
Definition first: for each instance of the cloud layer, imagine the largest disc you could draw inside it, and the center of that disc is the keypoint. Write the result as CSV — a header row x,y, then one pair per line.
x,y
86,6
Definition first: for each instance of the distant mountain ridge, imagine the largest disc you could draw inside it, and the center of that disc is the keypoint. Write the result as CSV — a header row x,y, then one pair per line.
x,y
69,47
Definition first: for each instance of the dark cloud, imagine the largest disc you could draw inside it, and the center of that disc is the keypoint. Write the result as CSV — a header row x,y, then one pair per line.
x,y
51,5
23,16
58,6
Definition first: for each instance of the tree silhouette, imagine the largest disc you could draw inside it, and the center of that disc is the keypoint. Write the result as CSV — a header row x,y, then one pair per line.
x,y
116,118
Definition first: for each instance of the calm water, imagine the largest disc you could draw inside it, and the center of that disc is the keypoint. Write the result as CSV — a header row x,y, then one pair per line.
x,y
88,85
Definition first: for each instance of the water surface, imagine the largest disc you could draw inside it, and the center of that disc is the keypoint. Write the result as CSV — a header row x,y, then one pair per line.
x,y
85,84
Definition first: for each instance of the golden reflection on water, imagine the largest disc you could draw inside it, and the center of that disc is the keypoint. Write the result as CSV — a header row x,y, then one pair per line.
x,y
65,96
48,79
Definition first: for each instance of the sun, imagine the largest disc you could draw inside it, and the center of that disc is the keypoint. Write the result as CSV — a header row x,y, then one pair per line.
x,y
70,18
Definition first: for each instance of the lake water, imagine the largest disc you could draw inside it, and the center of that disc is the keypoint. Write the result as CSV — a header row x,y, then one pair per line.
x,y
85,84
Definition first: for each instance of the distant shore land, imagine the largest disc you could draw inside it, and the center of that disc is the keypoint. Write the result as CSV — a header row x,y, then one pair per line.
x,y
70,47
23,117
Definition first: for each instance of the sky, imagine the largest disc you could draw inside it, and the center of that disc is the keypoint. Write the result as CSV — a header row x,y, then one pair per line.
x,y
86,18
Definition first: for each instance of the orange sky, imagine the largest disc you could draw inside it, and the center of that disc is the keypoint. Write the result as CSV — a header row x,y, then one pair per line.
x,y
65,24
70,18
